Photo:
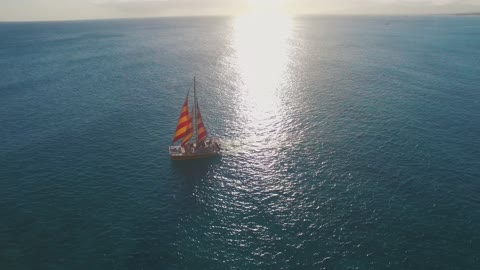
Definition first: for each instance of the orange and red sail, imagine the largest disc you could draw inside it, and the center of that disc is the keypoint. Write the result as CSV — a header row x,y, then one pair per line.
x,y
185,129
202,132
189,133
184,126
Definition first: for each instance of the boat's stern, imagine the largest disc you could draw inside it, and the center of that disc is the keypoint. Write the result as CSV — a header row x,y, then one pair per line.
x,y
175,151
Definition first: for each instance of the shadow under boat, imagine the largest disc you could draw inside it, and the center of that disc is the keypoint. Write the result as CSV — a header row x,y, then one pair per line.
x,y
196,169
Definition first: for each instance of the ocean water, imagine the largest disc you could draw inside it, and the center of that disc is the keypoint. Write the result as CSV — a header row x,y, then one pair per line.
x,y
349,143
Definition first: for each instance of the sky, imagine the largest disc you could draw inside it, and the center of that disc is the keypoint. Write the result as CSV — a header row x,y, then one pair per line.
x,y
41,10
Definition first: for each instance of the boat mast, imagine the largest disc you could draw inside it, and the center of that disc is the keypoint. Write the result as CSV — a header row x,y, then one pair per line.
x,y
195,131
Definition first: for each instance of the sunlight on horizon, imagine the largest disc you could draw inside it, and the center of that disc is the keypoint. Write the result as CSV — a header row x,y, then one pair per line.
x,y
267,7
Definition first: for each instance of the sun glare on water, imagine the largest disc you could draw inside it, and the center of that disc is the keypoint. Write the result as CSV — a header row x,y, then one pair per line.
x,y
262,50
262,45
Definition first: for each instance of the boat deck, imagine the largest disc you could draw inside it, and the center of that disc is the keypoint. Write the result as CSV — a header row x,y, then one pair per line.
x,y
192,152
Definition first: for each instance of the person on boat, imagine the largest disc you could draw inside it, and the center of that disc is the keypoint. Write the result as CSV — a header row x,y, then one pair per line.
x,y
209,145
190,147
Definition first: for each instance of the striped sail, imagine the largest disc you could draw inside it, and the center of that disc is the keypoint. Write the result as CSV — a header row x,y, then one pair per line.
x,y
201,130
189,133
184,122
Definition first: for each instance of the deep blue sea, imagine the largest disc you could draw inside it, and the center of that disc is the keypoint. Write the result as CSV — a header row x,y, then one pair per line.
x,y
349,143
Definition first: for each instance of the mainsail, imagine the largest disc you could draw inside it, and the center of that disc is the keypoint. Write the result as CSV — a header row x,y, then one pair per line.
x,y
189,133
184,126
201,130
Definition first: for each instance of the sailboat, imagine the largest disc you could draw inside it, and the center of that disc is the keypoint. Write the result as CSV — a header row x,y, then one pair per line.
x,y
190,126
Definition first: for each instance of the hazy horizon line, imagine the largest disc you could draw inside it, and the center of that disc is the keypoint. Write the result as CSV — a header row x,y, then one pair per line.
x,y
227,15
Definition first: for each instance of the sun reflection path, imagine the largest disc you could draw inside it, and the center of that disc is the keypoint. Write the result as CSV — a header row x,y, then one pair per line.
x,y
262,47
261,44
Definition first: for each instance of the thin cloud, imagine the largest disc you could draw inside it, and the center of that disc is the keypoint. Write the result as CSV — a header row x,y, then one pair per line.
x,y
96,9
166,7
